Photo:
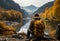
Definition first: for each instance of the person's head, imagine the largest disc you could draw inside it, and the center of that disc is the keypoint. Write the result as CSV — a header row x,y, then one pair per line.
x,y
58,25
36,17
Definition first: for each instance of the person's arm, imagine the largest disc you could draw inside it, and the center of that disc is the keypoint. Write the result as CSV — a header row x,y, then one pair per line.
x,y
29,30
31,26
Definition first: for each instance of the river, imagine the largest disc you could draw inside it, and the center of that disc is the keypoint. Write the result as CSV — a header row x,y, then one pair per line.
x,y
25,27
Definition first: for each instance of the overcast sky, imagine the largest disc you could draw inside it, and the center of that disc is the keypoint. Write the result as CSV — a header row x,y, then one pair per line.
x,y
37,3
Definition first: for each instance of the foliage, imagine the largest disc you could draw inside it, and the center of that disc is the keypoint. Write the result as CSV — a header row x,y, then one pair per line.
x,y
53,16
6,30
11,15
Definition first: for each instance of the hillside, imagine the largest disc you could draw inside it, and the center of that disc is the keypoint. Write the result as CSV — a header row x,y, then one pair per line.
x,y
11,5
42,8
52,14
24,13
10,13
31,9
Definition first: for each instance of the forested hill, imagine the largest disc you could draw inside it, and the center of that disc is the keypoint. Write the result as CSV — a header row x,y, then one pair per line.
x,y
11,5
42,8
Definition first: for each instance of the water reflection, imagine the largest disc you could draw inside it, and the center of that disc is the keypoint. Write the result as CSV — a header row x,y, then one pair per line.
x,y
25,27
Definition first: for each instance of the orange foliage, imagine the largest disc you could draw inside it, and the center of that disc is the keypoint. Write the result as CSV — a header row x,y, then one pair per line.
x,y
12,15
53,12
53,15
56,10
6,30
9,15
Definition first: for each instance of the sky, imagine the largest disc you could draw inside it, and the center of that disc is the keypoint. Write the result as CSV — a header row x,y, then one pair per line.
x,y
36,3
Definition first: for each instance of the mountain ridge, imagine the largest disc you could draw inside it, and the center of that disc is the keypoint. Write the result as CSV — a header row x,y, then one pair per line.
x,y
30,8
42,8
11,5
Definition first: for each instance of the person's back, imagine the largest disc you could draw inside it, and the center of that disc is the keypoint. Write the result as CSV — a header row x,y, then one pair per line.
x,y
37,28
58,32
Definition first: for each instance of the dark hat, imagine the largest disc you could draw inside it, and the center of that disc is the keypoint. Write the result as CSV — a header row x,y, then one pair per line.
x,y
36,15
59,25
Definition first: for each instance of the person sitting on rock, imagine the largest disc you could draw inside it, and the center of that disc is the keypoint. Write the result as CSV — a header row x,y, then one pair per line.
x,y
36,28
